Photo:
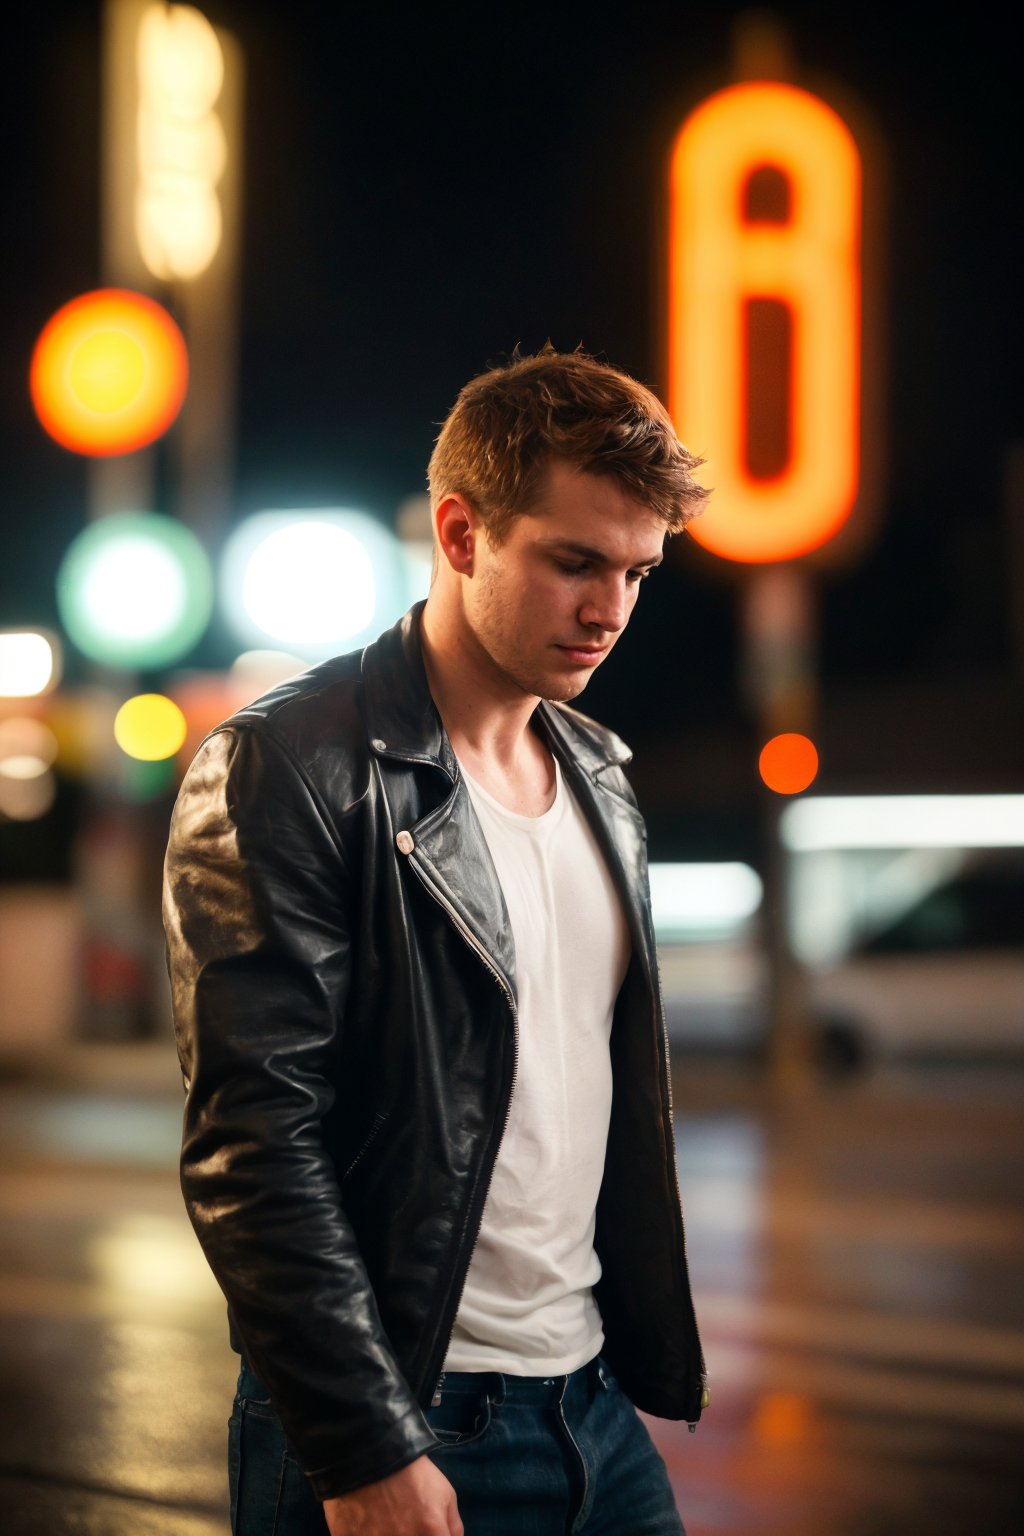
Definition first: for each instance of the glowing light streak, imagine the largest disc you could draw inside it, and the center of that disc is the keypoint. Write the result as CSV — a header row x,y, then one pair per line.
x,y
825,822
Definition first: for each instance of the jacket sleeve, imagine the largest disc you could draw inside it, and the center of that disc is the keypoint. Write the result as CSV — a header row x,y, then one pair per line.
x,y
259,956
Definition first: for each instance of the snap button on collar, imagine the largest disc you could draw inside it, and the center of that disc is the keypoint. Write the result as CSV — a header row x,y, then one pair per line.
x,y
405,842
378,745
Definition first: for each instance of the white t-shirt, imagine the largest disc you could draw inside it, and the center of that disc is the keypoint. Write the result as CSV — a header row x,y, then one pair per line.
x,y
527,1308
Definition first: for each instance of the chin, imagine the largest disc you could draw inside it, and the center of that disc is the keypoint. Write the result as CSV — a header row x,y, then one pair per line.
x,y
561,693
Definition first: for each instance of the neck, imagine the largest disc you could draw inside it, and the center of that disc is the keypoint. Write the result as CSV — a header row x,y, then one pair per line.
x,y
483,712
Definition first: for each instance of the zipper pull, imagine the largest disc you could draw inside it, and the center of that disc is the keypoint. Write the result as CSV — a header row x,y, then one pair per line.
x,y
705,1400
435,1401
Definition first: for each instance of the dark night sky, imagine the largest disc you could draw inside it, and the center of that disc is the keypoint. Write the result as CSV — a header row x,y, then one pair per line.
x,y
428,186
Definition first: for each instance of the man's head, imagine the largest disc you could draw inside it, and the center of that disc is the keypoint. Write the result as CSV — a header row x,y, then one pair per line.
x,y
510,424
553,485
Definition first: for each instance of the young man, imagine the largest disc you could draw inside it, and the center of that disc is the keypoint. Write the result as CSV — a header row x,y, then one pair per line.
x,y
428,1144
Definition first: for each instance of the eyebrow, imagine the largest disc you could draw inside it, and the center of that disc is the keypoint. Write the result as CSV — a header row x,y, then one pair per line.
x,y
598,556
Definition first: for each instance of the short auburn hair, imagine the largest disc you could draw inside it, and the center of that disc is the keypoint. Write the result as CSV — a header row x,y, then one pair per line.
x,y
509,423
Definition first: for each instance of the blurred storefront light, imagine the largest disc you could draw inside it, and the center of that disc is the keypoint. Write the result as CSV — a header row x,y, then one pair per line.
x,y
27,799
903,821
109,373
29,663
135,590
255,672
181,146
317,582
28,748
141,1256
149,727
699,900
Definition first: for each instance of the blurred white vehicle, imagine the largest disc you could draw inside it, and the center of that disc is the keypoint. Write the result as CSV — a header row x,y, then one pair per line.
x,y
906,953
944,977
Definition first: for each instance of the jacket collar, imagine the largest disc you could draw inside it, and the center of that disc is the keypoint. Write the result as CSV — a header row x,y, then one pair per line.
x,y
402,719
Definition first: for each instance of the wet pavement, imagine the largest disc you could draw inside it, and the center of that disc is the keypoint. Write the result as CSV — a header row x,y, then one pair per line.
x,y
857,1253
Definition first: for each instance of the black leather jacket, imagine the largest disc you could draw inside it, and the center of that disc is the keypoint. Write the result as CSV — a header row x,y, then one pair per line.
x,y
343,978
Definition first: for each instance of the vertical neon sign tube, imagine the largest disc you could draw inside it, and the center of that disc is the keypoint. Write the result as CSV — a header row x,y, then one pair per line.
x,y
721,261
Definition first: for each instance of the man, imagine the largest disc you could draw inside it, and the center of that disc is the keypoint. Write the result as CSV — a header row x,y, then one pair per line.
x,y
428,1145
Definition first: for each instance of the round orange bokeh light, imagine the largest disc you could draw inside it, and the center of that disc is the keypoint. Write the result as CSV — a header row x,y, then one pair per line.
x,y
109,372
788,763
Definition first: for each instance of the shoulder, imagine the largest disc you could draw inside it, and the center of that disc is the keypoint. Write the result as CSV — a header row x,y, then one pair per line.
x,y
311,714
309,731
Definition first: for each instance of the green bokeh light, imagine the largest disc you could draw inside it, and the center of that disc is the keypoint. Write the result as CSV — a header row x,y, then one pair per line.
x,y
135,590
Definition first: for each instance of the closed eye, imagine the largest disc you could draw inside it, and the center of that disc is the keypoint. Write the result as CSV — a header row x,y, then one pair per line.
x,y
581,568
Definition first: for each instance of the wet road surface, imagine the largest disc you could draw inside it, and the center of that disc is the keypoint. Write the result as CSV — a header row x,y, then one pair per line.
x,y
857,1253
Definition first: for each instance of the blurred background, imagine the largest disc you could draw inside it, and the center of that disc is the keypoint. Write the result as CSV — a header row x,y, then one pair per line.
x,y
252,254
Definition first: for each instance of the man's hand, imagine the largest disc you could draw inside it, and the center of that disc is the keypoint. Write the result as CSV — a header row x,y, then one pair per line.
x,y
416,1501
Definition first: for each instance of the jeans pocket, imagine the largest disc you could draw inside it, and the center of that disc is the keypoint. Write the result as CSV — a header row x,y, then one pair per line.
x,y
270,1495
461,1418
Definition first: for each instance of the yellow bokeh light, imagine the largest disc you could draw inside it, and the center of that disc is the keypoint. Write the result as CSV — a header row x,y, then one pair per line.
x,y
109,372
149,727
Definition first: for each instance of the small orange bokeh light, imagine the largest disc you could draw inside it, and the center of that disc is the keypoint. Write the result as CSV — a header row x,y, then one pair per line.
x,y
108,373
783,1418
788,763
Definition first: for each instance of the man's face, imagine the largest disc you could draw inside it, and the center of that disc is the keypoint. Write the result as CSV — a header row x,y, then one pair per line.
x,y
547,606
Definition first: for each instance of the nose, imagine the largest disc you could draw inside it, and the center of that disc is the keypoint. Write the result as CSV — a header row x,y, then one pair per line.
x,y
607,604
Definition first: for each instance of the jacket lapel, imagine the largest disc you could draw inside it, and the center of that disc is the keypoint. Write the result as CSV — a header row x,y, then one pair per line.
x,y
592,765
404,727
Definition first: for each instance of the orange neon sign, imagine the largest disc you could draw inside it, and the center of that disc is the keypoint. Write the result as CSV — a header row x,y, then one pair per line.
x,y
725,257
109,372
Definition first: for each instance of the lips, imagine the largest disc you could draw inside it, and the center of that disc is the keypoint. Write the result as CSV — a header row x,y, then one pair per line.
x,y
583,653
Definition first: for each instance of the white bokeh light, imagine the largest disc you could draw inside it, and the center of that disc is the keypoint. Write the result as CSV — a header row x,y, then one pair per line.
x,y
135,589
318,582
690,899
311,583
28,663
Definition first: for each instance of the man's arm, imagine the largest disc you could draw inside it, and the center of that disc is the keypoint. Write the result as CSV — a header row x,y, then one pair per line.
x,y
259,957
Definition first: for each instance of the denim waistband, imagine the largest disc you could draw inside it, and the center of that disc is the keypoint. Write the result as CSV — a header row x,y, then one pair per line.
x,y
529,1391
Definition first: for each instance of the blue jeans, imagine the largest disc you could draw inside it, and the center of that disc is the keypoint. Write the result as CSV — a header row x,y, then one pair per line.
x,y
526,1455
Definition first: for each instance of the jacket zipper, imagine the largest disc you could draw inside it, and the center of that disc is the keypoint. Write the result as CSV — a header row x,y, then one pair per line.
x,y
479,950
378,1120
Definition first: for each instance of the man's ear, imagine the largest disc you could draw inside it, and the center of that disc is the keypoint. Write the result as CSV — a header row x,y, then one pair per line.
x,y
457,528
